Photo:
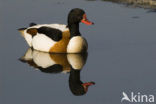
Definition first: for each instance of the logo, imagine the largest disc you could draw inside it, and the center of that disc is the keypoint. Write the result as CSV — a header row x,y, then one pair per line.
x,y
138,97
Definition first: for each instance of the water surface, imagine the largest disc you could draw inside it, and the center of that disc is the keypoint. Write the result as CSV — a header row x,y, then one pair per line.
x,y
121,56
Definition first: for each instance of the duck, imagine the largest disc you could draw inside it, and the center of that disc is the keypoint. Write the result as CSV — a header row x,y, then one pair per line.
x,y
54,63
58,38
46,62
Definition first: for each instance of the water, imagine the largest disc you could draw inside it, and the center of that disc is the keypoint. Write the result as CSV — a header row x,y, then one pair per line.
x,y
121,56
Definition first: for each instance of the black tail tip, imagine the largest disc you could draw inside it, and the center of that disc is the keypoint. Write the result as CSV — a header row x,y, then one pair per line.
x,y
22,60
21,29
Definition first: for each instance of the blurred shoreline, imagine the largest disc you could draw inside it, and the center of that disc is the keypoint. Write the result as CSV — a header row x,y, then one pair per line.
x,y
137,3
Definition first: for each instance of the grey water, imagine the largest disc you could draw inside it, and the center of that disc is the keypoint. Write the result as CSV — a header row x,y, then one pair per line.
x,y
121,55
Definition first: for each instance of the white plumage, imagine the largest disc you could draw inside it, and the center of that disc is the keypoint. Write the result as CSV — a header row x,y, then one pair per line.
x,y
42,43
77,44
42,59
28,38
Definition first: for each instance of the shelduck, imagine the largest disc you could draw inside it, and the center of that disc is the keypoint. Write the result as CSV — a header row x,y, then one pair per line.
x,y
54,62
60,63
58,38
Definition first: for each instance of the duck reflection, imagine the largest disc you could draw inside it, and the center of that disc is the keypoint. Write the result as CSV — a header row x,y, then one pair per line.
x,y
57,63
77,87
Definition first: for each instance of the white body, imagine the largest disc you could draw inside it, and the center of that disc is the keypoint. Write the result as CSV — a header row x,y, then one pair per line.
x,y
42,43
76,61
77,44
45,60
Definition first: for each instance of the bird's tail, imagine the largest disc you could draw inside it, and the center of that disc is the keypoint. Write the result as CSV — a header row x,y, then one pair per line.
x,y
21,30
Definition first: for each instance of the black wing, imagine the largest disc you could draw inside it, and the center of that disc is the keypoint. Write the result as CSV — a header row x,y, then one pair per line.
x,y
52,69
53,33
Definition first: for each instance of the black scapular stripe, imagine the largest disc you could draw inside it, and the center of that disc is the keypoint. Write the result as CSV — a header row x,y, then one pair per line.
x,y
20,29
52,69
53,33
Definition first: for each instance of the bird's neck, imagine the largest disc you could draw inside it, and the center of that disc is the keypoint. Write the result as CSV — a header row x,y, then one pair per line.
x,y
74,30
75,76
